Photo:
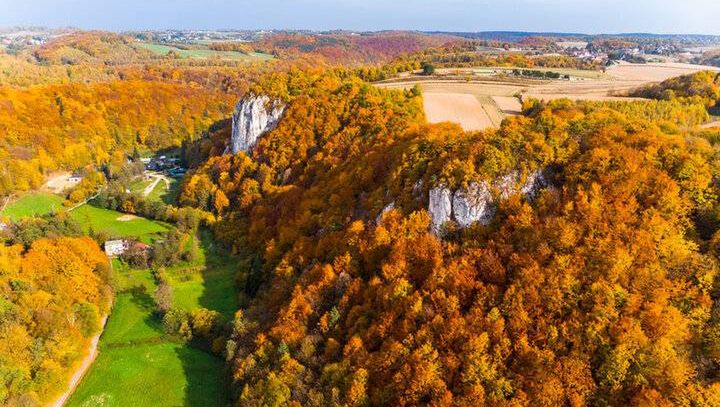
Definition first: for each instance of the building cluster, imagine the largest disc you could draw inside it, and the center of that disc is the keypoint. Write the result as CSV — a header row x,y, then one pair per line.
x,y
169,165
195,36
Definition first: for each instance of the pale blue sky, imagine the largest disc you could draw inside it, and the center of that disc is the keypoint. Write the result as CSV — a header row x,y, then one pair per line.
x,y
586,16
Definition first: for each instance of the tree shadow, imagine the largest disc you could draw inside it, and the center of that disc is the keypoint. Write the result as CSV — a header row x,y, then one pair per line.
x,y
145,301
219,291
207,378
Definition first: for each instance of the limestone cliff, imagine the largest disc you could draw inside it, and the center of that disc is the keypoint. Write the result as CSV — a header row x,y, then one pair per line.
x,y
440,207
253,117
477,202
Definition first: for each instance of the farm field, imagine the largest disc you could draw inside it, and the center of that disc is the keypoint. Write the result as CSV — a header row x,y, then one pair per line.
x,y
117,224
204,53
447,99
33,204
464,109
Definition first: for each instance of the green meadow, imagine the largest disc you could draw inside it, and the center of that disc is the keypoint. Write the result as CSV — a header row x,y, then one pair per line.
x,y
139,366
33,204
207,282
110,222
204,53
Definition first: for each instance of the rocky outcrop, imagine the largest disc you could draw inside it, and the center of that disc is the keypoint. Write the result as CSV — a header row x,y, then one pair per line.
x,y
385,210
440,207
253,117
477,202
474,204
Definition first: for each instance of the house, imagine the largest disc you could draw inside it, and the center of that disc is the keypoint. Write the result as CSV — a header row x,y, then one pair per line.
x,y
114,248
75,178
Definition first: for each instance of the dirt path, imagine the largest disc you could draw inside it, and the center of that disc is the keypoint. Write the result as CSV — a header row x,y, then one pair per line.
x,y
81,370
158,177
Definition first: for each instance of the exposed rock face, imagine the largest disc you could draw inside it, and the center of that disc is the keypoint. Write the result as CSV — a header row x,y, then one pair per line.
x,y
535,181
385,210
473,205
477,202
253,117
440,207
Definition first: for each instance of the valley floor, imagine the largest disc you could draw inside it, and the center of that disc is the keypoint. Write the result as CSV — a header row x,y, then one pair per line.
x,y
138,365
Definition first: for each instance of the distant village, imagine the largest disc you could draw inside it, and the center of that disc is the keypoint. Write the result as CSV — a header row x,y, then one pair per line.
x,y
602,48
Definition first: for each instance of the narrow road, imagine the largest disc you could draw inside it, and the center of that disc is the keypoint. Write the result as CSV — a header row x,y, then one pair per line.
x,y
81,370
158,178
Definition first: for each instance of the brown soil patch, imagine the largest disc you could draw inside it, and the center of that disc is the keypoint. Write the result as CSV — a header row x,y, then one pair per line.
x,y
126,218
464,109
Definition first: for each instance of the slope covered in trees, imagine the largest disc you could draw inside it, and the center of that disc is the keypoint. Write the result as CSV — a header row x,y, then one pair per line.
x,y
704,85
52,298
69,126
600,291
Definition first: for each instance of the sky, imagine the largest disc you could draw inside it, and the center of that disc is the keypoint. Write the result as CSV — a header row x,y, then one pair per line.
x,y
577,16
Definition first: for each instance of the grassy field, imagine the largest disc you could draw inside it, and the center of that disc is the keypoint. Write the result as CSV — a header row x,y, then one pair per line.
x,y
207,282
167,195
98,219
38,203
153,374
138,366
204,53
139,184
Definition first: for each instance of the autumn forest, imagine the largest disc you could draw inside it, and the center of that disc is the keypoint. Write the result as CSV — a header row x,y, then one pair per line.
x,y
329,264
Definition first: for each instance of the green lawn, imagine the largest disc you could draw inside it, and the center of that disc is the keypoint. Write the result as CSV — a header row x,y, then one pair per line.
x,y
139,184
139,366
167,194
204,53
37,203
153,374
98,219
207,282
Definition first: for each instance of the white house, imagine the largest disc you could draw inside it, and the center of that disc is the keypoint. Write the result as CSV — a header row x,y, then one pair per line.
x,y
114,248
75,178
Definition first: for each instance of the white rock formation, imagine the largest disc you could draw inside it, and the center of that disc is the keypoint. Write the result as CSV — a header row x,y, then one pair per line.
x,y
440,207
506,185
473,205
533,184
385,210
253,117
477,202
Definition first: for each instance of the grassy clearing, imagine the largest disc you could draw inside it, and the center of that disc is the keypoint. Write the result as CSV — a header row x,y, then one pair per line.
x,y
207,282
152,374
98,219
139,185
204,53
138,365
37,203
165,194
